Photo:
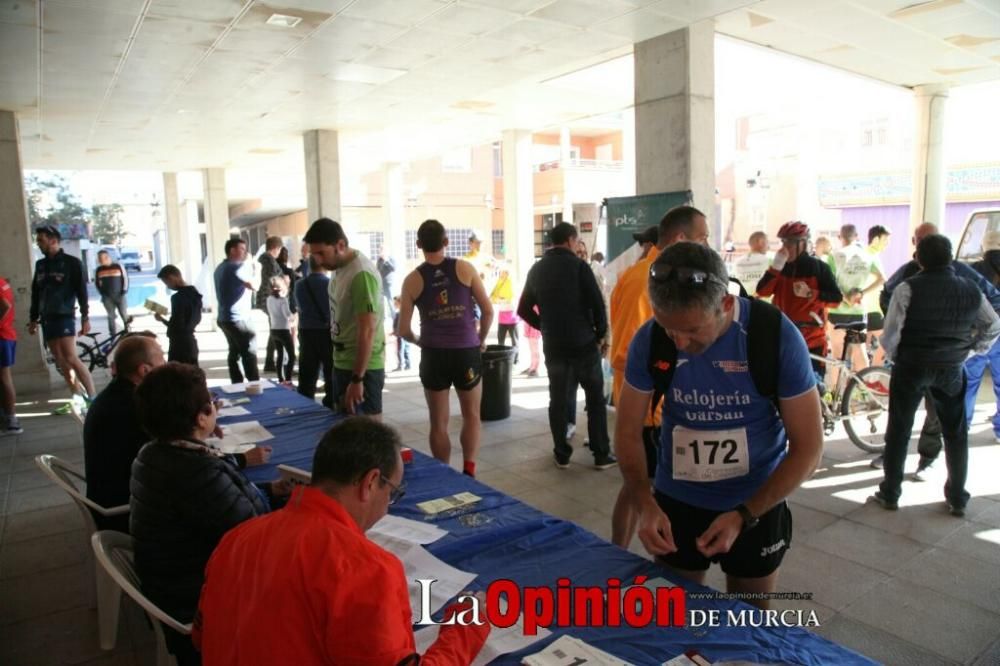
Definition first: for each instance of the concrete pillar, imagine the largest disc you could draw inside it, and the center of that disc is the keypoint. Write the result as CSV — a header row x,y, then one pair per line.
x,y
177,240
518,202
394,214
675,116
216,207
628,148
929,190
31,372
565,161
191,231
322,157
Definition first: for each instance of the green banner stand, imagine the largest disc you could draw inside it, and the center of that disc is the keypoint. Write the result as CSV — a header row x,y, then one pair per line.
x,y
630,215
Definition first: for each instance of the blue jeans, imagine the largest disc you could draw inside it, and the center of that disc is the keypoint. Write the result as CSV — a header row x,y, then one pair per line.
x,y
975,368
946,385
586,371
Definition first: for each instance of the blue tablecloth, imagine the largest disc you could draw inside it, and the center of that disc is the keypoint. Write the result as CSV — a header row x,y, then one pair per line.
x,y
501,537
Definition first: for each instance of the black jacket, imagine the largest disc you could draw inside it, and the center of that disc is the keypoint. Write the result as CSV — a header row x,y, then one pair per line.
x,y
185,312
269,268
111,281
571,314
58,285
989,267
183,502
111,439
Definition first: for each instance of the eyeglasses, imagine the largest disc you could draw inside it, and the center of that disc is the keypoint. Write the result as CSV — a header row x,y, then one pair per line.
x,y
686,276
396,492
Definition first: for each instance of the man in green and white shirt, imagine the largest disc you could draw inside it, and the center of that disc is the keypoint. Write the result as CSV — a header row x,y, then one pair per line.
x,y
858,274
357,310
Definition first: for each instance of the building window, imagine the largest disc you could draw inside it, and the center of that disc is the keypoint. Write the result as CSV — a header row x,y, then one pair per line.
x,y
866,137
496,237
375,240
411,244
458,242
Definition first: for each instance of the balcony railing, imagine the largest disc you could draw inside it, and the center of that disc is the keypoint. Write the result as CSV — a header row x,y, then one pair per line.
x,y
590,165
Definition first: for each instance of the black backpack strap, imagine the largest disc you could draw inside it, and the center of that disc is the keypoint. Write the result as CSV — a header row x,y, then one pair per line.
x,y
763,348
661,364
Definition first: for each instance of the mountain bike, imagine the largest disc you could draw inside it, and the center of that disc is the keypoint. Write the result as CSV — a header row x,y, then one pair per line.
x,y
97,353
859,399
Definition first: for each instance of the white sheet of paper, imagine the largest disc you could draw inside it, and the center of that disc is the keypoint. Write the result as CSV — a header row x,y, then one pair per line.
x,y
418,563
236,434
405,529
229,447
241,388
499,642
234,411
567,651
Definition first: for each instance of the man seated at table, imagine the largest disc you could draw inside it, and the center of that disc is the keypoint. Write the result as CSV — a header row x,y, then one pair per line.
x,y
111,432
305,586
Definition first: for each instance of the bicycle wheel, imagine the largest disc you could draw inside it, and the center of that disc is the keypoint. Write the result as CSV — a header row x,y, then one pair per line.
x,y
86,355
865,408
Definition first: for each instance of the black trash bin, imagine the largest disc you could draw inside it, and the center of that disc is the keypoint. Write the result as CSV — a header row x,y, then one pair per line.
x,y
498,366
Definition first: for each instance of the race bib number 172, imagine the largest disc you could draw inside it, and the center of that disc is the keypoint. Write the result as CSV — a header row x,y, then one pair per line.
x,y
710,455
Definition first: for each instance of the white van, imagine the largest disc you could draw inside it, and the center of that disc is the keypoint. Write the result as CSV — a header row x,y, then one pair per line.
x,y
970,247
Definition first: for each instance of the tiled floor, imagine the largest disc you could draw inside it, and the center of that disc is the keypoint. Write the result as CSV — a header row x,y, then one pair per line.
x,y
912,587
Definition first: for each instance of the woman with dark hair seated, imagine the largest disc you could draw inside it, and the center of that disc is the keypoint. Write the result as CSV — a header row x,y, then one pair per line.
x,y
185,495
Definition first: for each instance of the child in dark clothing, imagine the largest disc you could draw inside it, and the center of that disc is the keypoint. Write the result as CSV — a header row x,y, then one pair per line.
x,y
282,321
185,315
402,346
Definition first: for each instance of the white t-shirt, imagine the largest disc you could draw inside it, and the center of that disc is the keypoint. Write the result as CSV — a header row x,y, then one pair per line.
x,y
750,268
855,268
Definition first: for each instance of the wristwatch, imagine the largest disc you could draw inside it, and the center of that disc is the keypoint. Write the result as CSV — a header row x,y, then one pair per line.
x,y
357,379
749,520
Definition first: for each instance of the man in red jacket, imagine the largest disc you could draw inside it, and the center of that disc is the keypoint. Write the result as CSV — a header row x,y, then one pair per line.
x,y
304,586
803,287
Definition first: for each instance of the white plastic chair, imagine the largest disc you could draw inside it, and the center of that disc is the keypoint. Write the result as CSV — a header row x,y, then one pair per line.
x,y
66,476
114,554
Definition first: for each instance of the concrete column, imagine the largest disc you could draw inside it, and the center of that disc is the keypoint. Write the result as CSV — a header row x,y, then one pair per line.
x,y
929,190
322,156
394,214
565,162
31,372
628,148
191,232
177,240
518,202
675,116
216,207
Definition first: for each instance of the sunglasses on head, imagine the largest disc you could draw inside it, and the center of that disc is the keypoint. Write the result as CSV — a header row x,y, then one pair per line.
x,y
681,275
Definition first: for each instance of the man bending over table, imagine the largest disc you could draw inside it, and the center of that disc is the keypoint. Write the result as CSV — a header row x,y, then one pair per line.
x,y
732,447
305,586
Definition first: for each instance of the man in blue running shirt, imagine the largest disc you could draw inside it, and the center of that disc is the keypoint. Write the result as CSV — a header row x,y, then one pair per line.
x,y
729,456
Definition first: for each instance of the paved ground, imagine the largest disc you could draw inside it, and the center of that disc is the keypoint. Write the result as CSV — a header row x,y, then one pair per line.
x,y
912,587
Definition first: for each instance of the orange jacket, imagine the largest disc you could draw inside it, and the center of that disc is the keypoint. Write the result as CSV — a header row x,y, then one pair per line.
x,y
304,586
630,309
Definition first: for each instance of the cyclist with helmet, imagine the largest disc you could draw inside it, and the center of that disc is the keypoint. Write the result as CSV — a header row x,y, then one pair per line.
x,y
803,287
